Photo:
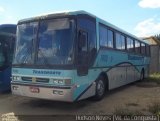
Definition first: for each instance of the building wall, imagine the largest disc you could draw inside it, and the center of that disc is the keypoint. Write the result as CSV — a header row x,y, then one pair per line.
x,y
155,59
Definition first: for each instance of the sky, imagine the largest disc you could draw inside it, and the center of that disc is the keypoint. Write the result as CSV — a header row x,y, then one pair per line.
x,y
138,17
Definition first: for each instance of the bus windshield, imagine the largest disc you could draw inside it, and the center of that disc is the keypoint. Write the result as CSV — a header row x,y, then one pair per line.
x,y
6,50
48,42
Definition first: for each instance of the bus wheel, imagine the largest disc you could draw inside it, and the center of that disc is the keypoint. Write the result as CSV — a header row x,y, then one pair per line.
x,y
100,88
142,75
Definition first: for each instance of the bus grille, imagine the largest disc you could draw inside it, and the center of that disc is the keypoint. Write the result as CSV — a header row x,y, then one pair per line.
x,y
33,79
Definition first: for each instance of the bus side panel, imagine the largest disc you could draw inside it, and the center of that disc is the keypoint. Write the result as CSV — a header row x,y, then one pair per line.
x,y
86,84
131,74
137,75
5,79
119,76
1,79
121,68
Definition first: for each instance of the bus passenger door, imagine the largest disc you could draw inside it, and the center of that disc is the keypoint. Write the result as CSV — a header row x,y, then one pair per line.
x,y
86,47
82,53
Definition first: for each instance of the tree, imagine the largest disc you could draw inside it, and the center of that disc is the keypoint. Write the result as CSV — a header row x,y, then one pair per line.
x,y
157,36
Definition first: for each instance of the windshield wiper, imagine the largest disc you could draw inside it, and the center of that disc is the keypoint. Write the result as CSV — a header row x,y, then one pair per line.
x,y
45,58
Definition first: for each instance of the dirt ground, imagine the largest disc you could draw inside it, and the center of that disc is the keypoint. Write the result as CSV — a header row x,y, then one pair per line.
x,y
134,96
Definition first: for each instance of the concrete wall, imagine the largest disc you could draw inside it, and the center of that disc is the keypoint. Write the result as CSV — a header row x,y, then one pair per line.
x,y
155,59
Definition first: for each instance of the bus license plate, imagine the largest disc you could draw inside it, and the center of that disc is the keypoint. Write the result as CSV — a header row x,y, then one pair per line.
x,y
34,89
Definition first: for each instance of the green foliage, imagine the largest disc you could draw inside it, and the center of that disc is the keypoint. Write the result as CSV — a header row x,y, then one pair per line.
x,y
155,108
157,36
154,78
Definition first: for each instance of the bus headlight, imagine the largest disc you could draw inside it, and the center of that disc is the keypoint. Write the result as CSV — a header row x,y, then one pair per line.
x,y
58,81
62,81
16,78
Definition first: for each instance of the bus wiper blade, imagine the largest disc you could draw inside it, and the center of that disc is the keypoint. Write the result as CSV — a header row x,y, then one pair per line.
x,y
45,59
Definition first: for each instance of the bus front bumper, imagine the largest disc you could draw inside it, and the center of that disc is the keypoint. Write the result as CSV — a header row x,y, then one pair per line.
x,y
44,92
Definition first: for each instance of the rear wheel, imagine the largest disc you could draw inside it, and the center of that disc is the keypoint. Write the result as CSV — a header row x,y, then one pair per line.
x,y
100,88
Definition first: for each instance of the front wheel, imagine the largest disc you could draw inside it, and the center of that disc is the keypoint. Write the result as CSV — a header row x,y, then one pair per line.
x,y
100,89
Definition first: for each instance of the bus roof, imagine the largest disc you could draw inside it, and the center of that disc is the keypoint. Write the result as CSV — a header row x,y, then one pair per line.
x,y
7,25
63,13
8,28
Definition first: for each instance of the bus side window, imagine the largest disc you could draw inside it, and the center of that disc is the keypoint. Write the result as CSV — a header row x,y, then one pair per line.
x,y
130,45
120,41
4,48
105,37
137,47
2,59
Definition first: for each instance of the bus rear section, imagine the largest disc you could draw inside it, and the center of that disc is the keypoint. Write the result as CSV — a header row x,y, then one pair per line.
x,y
7,40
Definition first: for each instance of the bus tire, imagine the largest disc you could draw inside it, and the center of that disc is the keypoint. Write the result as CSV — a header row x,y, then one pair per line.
x,y
100,88
142,75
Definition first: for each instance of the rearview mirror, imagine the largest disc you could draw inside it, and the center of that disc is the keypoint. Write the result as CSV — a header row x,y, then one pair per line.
x,y
82,39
